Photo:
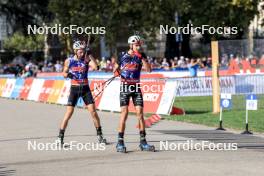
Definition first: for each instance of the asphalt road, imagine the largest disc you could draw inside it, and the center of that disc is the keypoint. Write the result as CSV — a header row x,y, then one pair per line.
x,y
24,122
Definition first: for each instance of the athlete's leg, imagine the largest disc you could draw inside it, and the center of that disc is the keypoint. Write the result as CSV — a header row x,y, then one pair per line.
x,y
139,114
123,118
89,101
72,100
97,124
64,124
67,117
94,115
124,102
121,129
138,103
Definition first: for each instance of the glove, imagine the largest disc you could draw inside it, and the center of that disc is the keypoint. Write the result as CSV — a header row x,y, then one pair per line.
x,y
71,75
88,51
141,55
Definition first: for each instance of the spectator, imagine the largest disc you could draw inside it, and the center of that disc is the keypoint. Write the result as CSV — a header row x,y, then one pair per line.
x,y
209,62
45,68
193,66
174,62
156,64
103,64
58,66
182,62
165,65
19,70
224,60
109,66
50,67
27,72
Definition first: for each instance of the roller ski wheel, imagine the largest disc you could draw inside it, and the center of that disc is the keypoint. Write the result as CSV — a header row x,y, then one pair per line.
x,y
120,148
147,147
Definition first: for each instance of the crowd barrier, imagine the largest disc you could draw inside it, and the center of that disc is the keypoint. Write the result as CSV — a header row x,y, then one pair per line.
x,y
235,85
158,94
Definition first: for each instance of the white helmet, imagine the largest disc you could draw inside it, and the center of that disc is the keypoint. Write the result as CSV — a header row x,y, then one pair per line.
x,y
78,45
134,39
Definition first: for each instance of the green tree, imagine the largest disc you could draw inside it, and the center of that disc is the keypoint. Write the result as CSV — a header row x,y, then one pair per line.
x,y
20,42
119,17
216,13
23,12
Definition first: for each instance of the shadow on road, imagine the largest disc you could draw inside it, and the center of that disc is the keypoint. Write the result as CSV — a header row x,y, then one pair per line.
x,y
6,172
243,141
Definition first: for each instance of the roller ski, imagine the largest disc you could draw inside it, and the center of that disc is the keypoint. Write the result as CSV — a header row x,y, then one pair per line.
x,y
120,147
146,147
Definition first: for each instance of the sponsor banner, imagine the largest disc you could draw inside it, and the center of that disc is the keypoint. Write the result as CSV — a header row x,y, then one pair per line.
x,y
202,86
55,91
167,99
18,88
35,89
253,84
110,98
26,88
64,93
49,74
96,87
45,90
168,74
2,85
9,87
153,92
238,72
158,94
7,75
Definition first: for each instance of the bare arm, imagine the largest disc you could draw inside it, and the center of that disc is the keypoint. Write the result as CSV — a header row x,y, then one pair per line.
x,y
92,62
116,68
146,65
66,68
200,63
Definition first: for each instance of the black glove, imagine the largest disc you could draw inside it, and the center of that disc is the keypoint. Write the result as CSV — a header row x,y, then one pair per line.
x,y
88,51
143,56
71,75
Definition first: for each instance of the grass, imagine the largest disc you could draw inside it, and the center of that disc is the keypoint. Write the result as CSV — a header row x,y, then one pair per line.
x,y
199,111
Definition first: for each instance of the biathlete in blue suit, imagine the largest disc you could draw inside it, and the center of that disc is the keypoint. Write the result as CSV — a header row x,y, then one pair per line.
x,y
76,68
129,65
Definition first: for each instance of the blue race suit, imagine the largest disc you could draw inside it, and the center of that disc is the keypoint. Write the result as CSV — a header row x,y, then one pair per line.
x,y
130,68
79,83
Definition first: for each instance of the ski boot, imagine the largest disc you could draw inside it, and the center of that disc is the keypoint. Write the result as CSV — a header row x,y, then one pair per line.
x,y
146,147
60,141
120,147
101,139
